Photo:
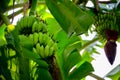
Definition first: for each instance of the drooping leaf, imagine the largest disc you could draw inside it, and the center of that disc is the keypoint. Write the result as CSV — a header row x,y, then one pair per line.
x,y
65,55
69,16
35,57
26,42
80,72
72,59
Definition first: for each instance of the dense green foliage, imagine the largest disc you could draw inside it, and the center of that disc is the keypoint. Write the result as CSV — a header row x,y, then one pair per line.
x,y
45,43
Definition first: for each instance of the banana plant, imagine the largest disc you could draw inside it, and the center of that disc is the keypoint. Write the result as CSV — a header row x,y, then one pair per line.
x,y
46,43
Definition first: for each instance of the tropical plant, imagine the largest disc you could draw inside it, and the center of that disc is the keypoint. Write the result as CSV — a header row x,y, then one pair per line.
x,y
45,43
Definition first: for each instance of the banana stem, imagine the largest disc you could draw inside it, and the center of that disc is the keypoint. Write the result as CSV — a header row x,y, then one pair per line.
x,y
5,19
15,6
33,7
15,13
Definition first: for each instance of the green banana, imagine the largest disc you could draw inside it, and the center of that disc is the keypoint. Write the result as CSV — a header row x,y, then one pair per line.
x,y
31,37
42,51
25,19
47,49
45,38
35,38
51,51
39,27
50,43
34,27
55,46
34,50
38,48
22,23
44,29
40,38
31,20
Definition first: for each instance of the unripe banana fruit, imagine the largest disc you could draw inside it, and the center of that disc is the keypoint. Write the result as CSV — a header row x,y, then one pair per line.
x,y
36,31
44,45
105,21
35,38
39,27
24,25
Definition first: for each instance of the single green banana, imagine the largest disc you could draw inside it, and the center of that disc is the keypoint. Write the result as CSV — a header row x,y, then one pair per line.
x,y
55,47
34,27
34,50
22,23
51,51
31,21
28,22
25,19
50,43
39,27
40,38
31,37
38,48
35,38
44,29
42,51
45,38
47,49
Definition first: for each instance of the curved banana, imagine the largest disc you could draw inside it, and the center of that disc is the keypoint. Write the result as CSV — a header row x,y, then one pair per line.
x,y
35,38
34,27
51,51
38,48
34,50
50,43
39,26
55,46
47,50
42,52
40,38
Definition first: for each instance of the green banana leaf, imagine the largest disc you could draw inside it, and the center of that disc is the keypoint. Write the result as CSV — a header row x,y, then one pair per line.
x,y
69,16
80,72
68,56
35,57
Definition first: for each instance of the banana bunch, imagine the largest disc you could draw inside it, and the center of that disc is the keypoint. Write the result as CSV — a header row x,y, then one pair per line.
x,y
36,31
24,25
39,26
43,44
105,21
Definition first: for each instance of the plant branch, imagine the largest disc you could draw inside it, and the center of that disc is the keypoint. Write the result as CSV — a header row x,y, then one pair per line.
x,y
15,6
97,5
5,19
15,13
96,77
